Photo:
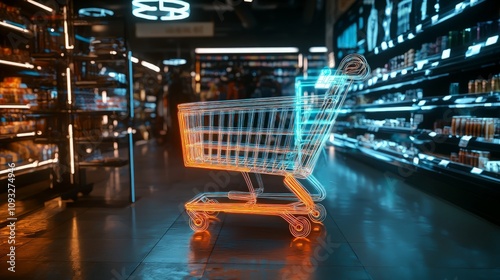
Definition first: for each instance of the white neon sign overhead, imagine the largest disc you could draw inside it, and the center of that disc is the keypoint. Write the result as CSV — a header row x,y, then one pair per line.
x,y
95,12
160,9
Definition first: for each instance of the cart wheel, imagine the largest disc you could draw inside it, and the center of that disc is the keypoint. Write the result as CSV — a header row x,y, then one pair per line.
x,y
318,214
302,228
199,223
212,213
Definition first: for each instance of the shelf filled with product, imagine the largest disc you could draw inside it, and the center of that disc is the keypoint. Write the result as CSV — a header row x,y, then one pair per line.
x,y
314,61
217,69
101,104
77,107
148,98
19,95
431,105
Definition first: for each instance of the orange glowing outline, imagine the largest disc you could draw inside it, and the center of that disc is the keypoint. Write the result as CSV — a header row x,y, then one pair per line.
x,y
277,136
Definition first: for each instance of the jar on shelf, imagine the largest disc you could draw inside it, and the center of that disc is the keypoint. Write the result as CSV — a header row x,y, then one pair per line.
x,y
471,87
454,121
467,130
6,52
463,125
478,85
493,128
482,162
495,83
484,122
461,156
477,127
468,157
454,157
485,154
486,85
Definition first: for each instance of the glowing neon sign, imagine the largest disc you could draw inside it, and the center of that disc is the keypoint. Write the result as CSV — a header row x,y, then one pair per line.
x,y
160,9
95,12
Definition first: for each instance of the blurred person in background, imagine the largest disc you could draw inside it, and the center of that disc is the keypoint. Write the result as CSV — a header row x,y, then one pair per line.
x,y
176,95
213,91
232,89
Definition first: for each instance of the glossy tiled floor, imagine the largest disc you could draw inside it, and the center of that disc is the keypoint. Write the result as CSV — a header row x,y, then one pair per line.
x,y
377,228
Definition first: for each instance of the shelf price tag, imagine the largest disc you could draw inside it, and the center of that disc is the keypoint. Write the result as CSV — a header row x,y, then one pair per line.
x,y
464,141
435,19
444,163
473,50
476,170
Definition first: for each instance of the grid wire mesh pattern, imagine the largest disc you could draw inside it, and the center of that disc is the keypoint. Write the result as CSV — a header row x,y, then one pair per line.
x,y
278,135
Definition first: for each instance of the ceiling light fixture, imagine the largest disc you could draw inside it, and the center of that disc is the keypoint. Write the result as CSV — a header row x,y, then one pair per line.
x,y
14,26
150,66
246,50
27,106
160,9
17,64
174,61
318,49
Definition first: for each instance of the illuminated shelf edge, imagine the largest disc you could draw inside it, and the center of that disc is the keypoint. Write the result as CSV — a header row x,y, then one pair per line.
x,y
32,165
17,64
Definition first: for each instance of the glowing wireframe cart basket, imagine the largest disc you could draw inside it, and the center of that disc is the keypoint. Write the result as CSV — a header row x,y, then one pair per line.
x,y
279,136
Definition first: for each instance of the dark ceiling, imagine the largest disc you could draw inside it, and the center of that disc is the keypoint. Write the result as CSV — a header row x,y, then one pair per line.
x,y
280,23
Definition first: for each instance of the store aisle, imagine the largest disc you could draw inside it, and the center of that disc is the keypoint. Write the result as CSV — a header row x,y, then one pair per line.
x,y
377,228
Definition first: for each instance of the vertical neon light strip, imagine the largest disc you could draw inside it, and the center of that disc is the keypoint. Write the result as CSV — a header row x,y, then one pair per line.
x,y
68,86
71,149
130,130
298,123
66,35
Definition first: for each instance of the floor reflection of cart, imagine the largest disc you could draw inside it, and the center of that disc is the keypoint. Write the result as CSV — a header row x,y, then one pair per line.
x,y
277,136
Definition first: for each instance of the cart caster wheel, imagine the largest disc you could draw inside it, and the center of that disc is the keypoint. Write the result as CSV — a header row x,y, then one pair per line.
x,y
212,213
302,228
199,223
318,214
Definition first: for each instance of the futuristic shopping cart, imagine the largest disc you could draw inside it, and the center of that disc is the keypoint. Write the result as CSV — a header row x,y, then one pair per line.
x,y
279,136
